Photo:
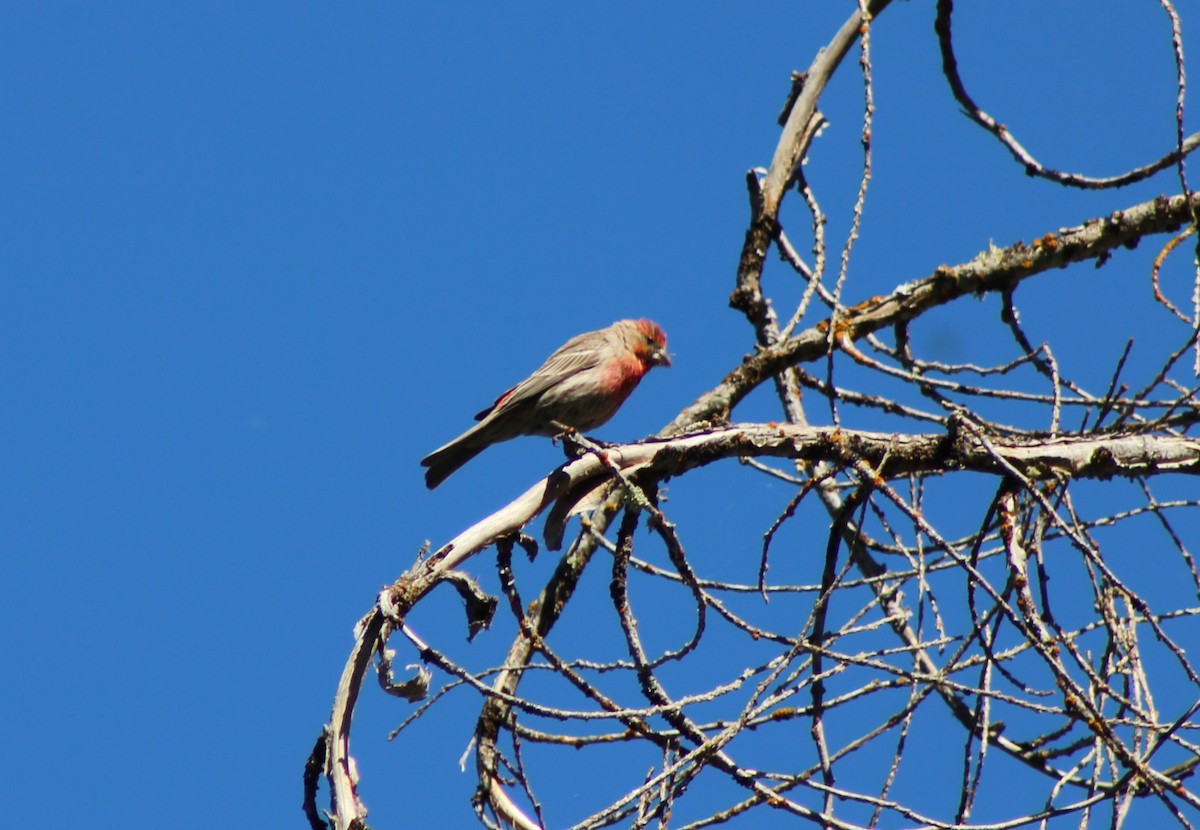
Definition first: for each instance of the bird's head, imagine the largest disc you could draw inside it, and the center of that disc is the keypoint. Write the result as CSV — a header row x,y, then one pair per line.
x,y
648,342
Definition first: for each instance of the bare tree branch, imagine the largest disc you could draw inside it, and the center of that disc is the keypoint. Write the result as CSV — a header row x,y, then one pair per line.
x,y
971,577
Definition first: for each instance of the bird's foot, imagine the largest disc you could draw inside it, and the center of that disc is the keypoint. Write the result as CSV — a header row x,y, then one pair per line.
x,y
572,440
564,430
575,443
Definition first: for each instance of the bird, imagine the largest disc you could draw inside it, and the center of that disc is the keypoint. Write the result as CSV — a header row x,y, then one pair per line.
x,y
580,386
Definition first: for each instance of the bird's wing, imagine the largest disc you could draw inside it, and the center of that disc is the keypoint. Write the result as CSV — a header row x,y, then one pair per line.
x,y
578,354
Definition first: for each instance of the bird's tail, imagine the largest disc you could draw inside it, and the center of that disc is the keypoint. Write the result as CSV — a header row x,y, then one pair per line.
x,y
443,461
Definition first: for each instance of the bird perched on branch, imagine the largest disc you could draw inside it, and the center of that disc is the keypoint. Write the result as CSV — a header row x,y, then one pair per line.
x,y
580,386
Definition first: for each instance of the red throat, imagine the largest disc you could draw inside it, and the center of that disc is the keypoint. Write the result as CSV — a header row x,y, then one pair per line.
x,y
623,375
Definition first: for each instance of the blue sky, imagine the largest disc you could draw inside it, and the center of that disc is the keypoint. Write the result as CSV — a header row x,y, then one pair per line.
x,y
259,259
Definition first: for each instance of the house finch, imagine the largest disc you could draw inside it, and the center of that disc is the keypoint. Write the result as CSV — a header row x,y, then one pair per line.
x,y
581,385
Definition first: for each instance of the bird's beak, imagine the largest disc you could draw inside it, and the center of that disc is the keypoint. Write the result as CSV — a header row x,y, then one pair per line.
x,y
660,358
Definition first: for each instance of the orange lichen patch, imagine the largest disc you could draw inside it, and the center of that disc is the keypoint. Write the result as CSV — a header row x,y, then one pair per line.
x,y
865,305
847,346
844,333
1050,242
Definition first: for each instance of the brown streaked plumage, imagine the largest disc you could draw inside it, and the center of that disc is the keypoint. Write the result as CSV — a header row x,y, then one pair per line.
x,y
581,385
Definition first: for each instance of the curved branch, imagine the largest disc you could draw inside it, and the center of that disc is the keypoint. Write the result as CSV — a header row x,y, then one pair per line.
x,y
1032,166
